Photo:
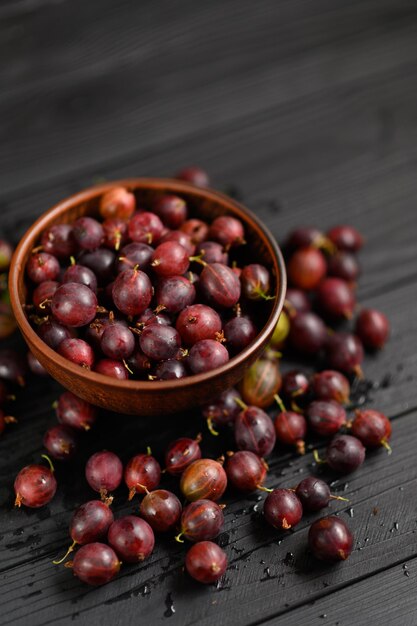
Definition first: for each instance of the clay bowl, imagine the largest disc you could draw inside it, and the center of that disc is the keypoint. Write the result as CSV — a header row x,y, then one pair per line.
x,y
149,397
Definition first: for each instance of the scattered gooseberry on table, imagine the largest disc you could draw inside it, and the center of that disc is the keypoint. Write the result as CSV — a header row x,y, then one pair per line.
x,y
203,479
104,472
254,431
306,268
344,454
345,238
194,175
281,331
372,428
75,412
296,301
181,453
344,265
308,333
295,384
325,417
131,538
35,485
331,385
222,410
206,562
314,494
6,253
61,442
201,520
344,352
245,470
142,474
161,509
290,428
90,522
283,509
372,327
95,564
335,299
260,383
35,366
330,539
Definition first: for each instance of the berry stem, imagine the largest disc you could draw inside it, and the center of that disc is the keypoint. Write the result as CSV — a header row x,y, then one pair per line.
x,y
240,403
70,549
44,456
211,428
386,445
280,403
127,367
317,458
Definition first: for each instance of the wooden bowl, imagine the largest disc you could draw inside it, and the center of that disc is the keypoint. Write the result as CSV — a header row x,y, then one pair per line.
x,y
150,397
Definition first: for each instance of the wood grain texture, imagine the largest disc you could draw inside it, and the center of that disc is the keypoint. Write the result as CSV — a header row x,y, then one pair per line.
x,y
306,109
226,78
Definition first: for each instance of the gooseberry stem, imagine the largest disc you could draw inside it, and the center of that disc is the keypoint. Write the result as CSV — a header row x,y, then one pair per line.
x,y
280,403
179,538
386,445
262,294
317,458
70,549
44,456
198,259
127,367
240,403
211,428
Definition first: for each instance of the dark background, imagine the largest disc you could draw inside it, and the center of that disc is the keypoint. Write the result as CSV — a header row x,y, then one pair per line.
x,y
307,109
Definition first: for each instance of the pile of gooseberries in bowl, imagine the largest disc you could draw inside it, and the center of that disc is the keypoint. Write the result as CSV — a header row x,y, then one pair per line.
x,y
146,296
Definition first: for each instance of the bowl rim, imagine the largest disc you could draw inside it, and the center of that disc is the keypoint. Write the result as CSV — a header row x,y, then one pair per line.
x,y
33,233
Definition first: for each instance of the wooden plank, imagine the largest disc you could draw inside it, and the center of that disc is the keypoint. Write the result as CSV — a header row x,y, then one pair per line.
x,y
386,599
362,174
84,44
263,579
75,122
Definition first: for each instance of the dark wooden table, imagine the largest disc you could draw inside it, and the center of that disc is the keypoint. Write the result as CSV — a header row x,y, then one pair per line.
x,y
307,110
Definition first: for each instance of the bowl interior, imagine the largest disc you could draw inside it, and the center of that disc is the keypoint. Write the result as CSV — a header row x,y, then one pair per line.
x,y
203,203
